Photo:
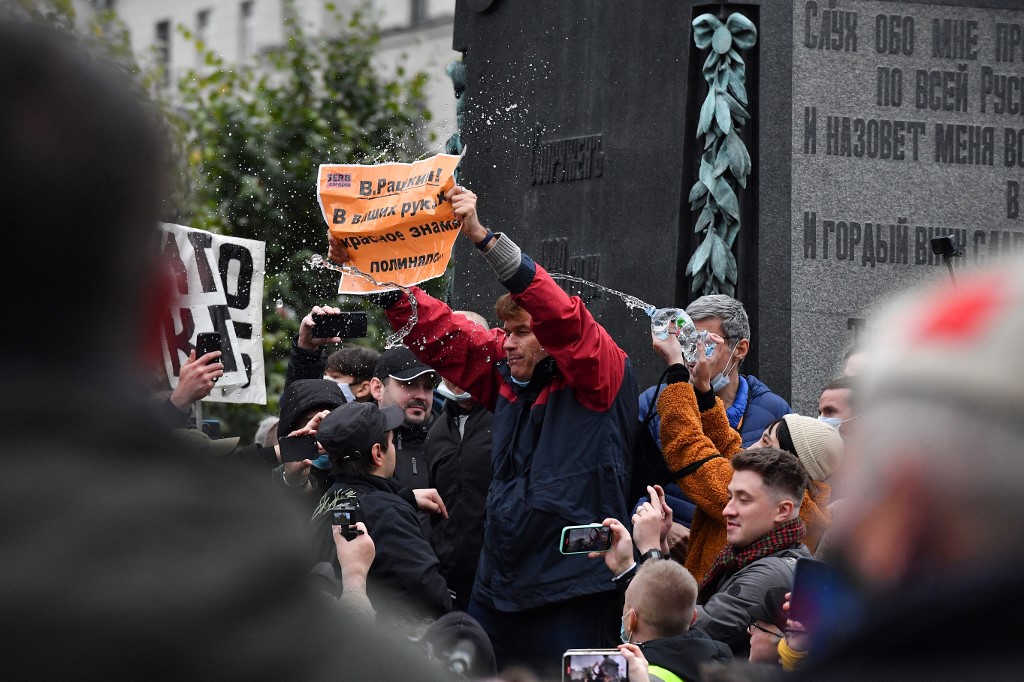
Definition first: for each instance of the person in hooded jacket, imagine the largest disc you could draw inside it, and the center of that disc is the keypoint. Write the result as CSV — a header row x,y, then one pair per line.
x,y
300,403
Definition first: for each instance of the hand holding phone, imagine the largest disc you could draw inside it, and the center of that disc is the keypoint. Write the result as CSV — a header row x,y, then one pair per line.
x,y
594,664
594,537
814,591
208,342
344,325
298,448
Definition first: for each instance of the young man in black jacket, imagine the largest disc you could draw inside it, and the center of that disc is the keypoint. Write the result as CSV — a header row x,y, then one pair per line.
x,y
404,581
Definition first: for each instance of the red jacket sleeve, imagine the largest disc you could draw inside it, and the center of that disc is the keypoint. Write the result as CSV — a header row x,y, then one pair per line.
x,y
460,350
589,359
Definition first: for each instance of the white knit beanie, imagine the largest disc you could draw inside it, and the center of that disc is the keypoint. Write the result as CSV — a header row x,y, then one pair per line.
x,y
818,445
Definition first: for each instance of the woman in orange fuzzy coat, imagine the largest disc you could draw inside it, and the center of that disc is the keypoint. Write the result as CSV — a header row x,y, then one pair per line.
x,y
697,443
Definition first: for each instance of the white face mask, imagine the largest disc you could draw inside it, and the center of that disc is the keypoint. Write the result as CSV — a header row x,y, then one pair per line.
x,y
834,422
721,380
443,389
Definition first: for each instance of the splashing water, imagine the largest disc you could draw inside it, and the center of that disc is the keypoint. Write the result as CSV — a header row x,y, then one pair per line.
x,y
690,338
631,301
395,339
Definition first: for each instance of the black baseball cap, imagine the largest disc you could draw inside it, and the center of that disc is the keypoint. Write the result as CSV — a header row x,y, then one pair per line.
x,y
349,431
400,363
770,609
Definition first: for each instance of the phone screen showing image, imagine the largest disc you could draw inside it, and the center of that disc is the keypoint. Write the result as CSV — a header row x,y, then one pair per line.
x,y
589,538
607,665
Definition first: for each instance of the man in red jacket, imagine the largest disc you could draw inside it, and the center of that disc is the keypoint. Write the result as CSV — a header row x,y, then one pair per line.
x,y
565,414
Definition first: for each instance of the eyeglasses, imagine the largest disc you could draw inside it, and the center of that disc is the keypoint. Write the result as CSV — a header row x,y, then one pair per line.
x,y
753,624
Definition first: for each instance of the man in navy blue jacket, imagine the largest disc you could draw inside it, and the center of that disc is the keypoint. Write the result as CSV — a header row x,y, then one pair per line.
x,y
565,415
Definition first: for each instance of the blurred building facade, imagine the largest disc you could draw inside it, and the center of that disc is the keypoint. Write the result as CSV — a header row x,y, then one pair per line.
x,y
416,34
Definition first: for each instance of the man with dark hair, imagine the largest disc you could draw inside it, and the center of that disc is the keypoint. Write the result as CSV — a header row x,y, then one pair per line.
x,y
400,378
131,556
404,580
765,536
564,403
352,367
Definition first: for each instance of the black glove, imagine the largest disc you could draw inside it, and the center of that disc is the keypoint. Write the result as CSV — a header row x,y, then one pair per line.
x,y
677,374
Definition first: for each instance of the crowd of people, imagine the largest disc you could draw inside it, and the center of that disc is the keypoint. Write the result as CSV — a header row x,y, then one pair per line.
x,y
408,542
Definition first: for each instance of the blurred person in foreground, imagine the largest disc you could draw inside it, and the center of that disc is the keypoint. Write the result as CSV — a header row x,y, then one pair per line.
x,y
931,534
135,557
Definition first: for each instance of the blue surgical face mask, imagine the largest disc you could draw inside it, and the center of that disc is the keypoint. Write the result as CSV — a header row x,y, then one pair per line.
x,y
443,389
834,422
519,382
721,380
623,635
322,462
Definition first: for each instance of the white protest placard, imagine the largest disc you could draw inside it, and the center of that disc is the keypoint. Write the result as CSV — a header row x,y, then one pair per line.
x,y
220,289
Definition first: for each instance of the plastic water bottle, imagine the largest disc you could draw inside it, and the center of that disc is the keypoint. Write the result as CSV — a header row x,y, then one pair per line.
x,y
690,338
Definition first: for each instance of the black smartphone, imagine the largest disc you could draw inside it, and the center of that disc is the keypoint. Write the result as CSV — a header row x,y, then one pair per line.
x,y
207,342
298,448
820,594
590,538
594,664
345,325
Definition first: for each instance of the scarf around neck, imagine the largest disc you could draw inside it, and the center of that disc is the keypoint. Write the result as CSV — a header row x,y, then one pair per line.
x,y
730,560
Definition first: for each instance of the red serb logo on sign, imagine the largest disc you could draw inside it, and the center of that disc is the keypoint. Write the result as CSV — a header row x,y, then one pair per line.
x,y
339,179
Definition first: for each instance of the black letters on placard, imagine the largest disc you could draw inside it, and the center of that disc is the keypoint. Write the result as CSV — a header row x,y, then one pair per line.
x,y
1012,199
173,256
179,342
200,242
243,290
220,316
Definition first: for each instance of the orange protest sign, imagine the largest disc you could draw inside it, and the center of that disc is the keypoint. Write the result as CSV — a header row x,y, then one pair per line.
x,y
392,218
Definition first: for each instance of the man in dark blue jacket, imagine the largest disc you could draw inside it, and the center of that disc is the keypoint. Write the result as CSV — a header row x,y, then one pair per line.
x,y
565,414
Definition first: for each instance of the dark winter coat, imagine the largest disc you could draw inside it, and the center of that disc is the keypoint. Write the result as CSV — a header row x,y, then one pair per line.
x,y
403,579
460,469
561,446
684,653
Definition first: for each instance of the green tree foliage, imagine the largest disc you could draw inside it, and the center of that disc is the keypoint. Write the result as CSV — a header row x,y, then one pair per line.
x,y
255,136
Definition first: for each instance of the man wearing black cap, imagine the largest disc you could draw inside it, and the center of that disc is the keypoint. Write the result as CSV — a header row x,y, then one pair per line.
x,y
401,379
404,581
